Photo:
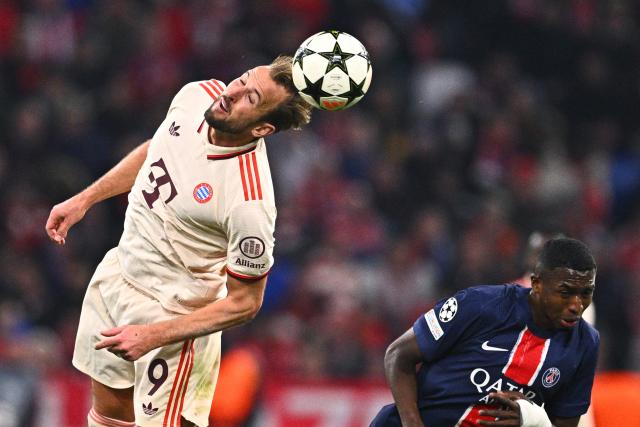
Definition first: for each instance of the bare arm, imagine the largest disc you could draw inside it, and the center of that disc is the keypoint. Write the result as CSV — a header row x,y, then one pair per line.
x,y
400,362
116,181
241,304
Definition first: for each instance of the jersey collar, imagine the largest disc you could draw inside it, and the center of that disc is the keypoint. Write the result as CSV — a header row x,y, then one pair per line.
x,y
216,152
221,153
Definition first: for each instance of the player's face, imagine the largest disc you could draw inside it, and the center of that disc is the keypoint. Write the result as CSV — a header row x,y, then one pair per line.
x,y
244,102
560,296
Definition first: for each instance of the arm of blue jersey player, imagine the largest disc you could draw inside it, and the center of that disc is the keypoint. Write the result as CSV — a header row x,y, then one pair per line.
x,y
116,181
242,303
400,362
516,411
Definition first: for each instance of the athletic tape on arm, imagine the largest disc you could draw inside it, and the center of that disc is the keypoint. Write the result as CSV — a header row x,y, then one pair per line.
x,y
532,415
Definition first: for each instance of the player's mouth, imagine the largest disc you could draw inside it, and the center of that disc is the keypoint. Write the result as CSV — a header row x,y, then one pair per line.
x,y
569,322
224,104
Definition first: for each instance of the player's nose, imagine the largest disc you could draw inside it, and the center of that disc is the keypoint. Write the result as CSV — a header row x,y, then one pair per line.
x,y
575,305
234,92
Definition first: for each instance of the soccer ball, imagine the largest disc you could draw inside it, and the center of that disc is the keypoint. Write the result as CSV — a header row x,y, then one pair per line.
x,y
331,70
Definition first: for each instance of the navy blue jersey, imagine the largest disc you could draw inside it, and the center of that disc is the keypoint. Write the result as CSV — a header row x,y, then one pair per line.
x,y
483,340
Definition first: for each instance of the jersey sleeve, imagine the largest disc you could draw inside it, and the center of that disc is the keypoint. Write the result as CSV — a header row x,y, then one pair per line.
x,y
250,232
196,93
575,397
438,330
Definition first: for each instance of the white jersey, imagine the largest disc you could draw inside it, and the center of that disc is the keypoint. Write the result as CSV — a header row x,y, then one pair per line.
x,y
197,211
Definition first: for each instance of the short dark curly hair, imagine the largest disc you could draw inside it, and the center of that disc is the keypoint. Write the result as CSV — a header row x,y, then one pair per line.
x,y
564,252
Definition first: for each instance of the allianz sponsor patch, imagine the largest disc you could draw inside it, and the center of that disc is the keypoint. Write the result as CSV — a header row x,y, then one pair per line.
x,y
250,264
434,325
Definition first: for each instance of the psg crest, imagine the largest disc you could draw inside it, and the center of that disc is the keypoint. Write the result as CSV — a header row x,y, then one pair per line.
x,y
550,377
202,193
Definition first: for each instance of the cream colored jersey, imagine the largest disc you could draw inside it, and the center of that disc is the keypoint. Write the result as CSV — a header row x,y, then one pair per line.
x,y
197,211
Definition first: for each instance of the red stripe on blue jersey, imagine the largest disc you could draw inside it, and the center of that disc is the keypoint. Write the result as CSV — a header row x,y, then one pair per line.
x,y
472,415
526,358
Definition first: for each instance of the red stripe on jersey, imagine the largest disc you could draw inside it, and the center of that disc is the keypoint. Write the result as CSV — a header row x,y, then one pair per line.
x,y
526,358
176,380
230,155
257,175
201,126
217,83
208,90
186,384
472,415
244,183
214,88
250,177
245,277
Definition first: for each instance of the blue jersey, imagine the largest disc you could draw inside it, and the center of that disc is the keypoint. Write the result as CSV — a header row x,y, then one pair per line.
x,y
483,340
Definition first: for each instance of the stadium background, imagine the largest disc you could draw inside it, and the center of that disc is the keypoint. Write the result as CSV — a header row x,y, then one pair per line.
x,y
485,122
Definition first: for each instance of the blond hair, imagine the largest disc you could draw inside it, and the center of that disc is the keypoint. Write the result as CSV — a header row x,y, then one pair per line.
x,y
295,112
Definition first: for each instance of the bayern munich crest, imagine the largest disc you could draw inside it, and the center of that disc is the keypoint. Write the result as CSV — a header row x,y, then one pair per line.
x,y
550,377
202,193
448,310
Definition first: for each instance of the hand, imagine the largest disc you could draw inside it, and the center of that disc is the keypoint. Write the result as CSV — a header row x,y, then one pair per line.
x,y
63,216
129,342
509,412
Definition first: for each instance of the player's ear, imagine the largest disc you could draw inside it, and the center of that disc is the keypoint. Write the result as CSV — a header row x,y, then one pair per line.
x,y
263,129
536,282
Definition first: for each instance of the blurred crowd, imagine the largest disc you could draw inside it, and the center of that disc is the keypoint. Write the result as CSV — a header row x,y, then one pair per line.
x,y
485,122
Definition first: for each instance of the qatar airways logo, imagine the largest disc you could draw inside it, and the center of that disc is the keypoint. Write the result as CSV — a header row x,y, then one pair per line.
x,y
483,382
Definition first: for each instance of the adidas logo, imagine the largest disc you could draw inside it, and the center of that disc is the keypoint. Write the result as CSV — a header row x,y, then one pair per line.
x,y
173,129
149,410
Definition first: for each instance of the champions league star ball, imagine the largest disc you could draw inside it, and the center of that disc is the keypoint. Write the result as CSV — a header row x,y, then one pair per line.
x,y
331,70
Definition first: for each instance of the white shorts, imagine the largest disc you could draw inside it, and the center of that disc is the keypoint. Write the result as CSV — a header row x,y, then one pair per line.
x,y
169,382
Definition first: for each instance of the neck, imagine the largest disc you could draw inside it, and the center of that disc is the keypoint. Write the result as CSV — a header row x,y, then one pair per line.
x,y
225,139
538,316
